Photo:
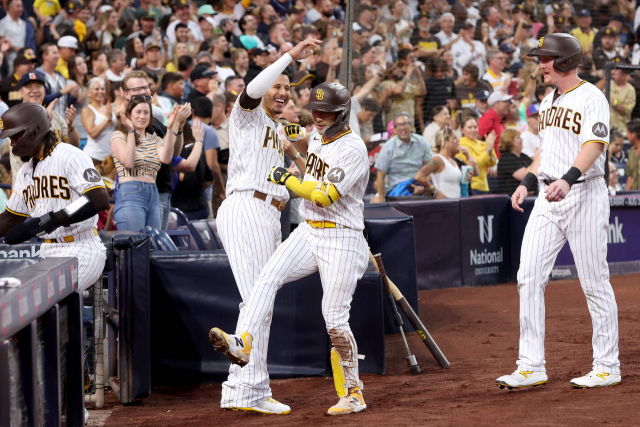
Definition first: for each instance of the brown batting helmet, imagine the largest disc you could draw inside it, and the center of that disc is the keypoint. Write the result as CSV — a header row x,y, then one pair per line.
x,y
566,48
332,98
30,118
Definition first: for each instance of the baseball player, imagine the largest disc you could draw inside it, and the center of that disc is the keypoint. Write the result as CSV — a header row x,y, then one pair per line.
x,y
249,219
58,188
573,206
329,241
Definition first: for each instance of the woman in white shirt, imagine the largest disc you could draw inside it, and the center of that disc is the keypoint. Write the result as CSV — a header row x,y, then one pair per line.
x,y
99,120
444,169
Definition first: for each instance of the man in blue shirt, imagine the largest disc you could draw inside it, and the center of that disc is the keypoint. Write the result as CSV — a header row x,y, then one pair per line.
x,y
401,157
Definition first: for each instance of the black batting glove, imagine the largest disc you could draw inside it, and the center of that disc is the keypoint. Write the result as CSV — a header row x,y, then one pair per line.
x,y
279,175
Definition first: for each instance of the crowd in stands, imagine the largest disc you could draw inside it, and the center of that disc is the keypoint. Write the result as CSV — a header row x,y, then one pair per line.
x,y
443,92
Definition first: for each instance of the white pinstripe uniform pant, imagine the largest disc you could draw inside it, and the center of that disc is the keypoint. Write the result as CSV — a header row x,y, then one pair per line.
x,y
341,257
89,250
250,232
582,219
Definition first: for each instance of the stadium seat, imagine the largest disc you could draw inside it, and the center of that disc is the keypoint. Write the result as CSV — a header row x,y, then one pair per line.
x,y
181,218
214,230
203,235
192,242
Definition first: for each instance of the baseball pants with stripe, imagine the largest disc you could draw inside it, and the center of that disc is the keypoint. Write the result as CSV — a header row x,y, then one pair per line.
x,y
341,257
582,219
250,232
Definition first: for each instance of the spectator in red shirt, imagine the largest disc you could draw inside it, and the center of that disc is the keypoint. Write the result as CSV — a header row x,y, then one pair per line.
x,y
492,119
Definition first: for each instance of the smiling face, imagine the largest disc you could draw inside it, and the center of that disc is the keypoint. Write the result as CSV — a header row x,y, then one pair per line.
x,y
182,34
138,46
113,20
33,92
402,127
140,116
100,65
278,95
181,49
470,129
81,66
148,25
97,91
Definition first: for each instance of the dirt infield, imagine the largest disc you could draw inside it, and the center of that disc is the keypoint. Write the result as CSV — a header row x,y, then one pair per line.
x,y
477,329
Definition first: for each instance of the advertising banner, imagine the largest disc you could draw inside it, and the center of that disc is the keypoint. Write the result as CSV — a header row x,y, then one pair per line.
x,y
485,246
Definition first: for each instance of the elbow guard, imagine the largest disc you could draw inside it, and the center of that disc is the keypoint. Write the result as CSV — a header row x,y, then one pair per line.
x,y
325,196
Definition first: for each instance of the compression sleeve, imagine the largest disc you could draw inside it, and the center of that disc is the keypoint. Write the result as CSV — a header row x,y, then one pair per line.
x,y
92,202
263,81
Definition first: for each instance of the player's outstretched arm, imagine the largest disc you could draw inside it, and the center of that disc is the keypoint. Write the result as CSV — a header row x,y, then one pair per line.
x,y
255,90
92,202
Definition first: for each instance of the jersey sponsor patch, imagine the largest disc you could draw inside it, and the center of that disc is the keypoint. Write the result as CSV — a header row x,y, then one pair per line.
x,y
600,129
91,175
335,175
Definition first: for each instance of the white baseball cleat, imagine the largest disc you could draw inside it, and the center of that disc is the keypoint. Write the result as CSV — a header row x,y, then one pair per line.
x,y
269,406
522,379
350,404
236,347
596,379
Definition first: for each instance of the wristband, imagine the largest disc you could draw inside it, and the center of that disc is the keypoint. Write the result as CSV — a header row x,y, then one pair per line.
x,y
572,175
297,156
199,140
529,181
180,132
71,130
132,131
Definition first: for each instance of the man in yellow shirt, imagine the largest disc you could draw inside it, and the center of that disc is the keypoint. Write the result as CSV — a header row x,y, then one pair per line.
x,y
622,100
67,47
584,32
46,10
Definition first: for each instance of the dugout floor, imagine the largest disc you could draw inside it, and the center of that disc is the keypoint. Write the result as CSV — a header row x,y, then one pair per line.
x,y
477,329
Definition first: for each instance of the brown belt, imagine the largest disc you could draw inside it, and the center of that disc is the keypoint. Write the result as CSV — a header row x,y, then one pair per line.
x,y
278,204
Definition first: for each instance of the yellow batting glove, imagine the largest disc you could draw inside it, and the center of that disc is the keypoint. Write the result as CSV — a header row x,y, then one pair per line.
x,y
294,132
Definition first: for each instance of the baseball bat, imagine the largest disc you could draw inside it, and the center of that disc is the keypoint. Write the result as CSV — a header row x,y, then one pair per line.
x,y
414,319
414,369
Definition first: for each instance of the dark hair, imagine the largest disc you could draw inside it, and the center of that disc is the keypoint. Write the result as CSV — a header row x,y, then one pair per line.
x,y
437,110
181,25
366,47
185,62
202,107
371,104
438,64
236,77
153,76
169,78
477,34
615,134
111,89
243,21
164,22
127,112
540,89
71,64
472,70
634,126
130,50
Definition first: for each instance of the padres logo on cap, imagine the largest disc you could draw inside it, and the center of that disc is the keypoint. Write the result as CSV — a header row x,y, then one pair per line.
x,y
541,41
320,94
1,125
33,76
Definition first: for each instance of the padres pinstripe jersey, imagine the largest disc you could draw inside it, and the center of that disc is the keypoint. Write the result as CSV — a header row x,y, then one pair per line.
x,y
344,162
57,181
577,117
255,148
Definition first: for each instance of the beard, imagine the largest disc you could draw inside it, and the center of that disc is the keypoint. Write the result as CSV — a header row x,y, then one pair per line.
x,y
328,14
25,159
398,77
